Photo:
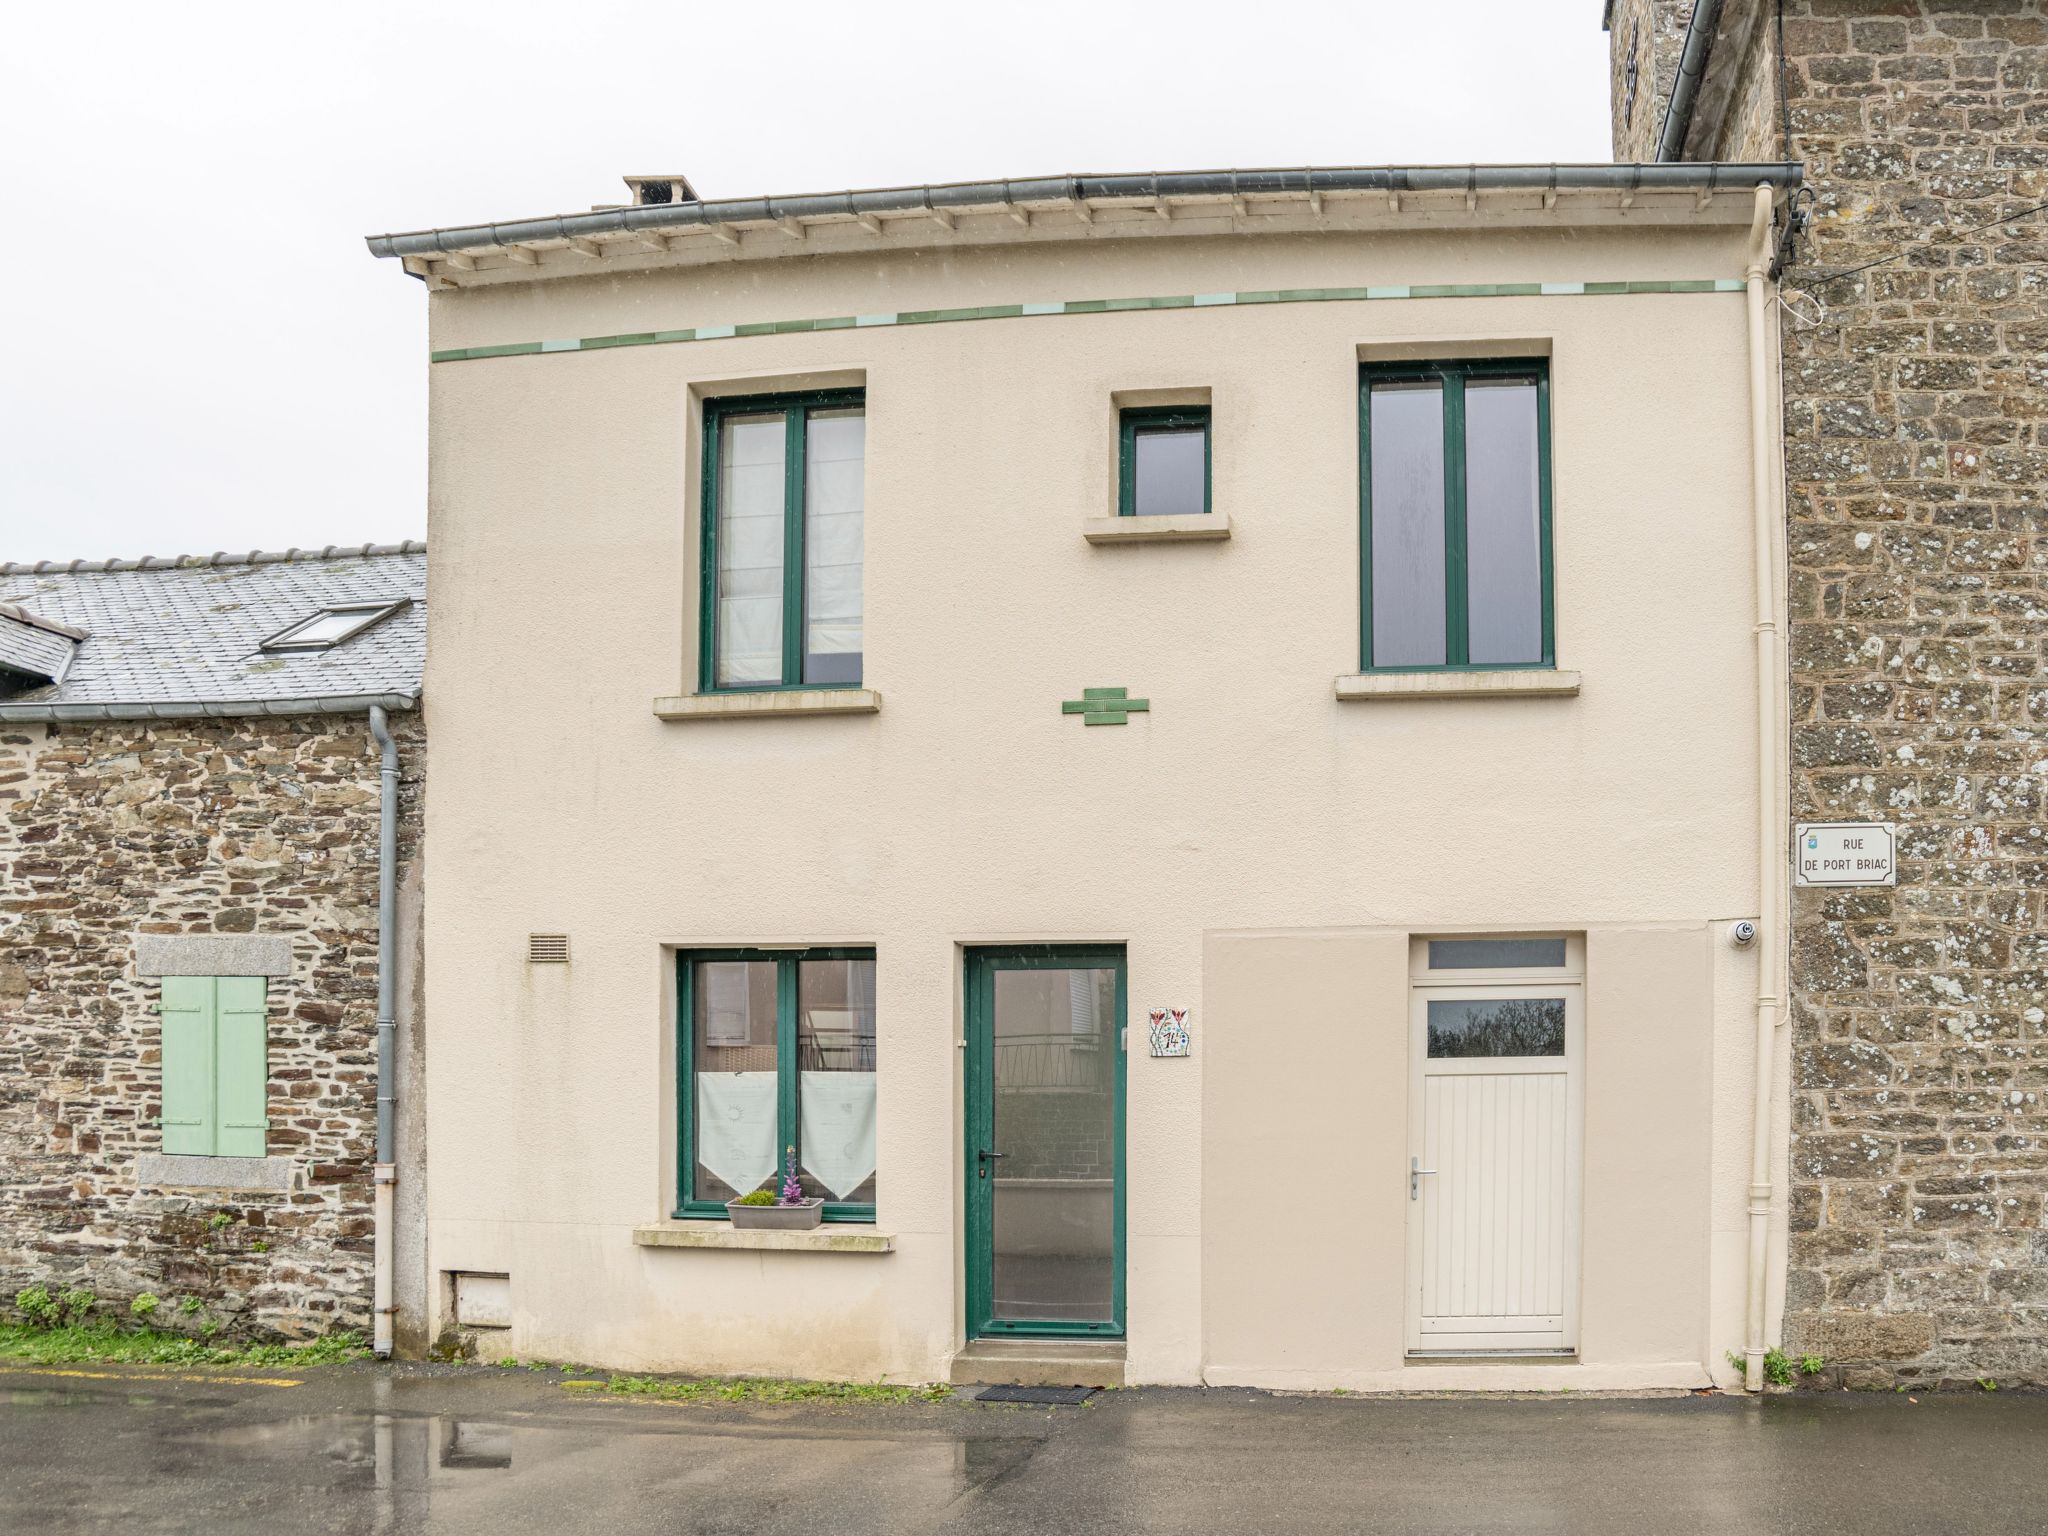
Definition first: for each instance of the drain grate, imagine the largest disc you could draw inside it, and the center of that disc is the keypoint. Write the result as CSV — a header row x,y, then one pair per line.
x,y
1034,1394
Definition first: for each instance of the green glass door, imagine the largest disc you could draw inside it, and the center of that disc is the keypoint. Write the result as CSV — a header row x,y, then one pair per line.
x,y
1045,1140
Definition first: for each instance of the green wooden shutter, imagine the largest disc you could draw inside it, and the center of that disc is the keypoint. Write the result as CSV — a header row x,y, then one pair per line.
x,y
241,1066
188,1065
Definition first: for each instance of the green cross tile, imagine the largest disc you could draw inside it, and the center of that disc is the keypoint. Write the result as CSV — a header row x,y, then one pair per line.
x,y
1104,706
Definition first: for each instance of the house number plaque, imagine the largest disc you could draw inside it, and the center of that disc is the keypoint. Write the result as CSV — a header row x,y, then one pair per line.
x,y
1170,1035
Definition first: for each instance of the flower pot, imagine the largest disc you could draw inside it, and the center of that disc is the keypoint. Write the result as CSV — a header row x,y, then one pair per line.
x,y
776,1218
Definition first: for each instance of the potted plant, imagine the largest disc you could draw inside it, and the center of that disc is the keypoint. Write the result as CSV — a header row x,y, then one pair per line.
x,y
787,1211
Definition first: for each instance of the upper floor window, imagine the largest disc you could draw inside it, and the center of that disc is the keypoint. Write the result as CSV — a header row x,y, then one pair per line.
x,y
783,507
1456,526
1163,461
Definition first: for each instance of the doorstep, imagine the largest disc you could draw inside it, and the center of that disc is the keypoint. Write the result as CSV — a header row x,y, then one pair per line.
x,y
1026,1362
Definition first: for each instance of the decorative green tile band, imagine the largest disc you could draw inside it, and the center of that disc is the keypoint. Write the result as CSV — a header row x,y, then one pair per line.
x,y
1105,706
1092,307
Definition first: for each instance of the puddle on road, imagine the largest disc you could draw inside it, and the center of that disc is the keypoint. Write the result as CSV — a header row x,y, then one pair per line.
x,y
398,1451
82,1397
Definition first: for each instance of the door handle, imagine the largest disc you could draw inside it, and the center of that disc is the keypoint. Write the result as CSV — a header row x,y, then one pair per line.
x,y
984,1155
1415,1176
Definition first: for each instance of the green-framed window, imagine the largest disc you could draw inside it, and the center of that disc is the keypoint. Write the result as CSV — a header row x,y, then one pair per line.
x,y
1454,480
216,1068
775,1049
1163,461
784,506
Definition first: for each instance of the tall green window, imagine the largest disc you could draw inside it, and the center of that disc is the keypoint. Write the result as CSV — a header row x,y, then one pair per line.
x,y
1163,461
776,1050
783,512
1455,537
216,1074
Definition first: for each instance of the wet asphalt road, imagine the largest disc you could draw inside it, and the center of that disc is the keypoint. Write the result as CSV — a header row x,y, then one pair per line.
x,y
363,1449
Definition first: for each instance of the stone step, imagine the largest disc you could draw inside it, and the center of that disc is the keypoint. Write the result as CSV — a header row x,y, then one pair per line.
x,y
1040,1363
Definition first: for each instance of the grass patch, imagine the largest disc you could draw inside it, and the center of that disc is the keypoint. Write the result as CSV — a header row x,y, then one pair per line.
x,y
755,1389
152,1346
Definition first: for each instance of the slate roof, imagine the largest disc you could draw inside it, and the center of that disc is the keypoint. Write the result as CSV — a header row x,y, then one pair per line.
x,y
182,635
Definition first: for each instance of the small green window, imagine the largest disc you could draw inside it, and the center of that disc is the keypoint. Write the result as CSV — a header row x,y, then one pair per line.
x,y
776,1054
1163,461
1454,482
216,1073
784,505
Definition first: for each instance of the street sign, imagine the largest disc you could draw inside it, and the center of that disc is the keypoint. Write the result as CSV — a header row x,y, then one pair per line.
x,y
1846,853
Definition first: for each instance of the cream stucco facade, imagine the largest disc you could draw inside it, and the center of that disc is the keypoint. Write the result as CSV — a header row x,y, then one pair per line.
x,y
1264,849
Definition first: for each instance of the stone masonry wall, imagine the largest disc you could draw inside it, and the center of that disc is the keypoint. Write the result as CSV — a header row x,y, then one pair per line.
x,y
1658,30
1916,419
262,826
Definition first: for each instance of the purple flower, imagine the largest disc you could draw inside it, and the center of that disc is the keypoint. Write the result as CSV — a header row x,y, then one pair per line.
x,y
792,1187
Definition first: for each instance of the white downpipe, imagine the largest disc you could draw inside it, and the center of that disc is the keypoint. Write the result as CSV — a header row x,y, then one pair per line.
x,y
1772,788
380,1288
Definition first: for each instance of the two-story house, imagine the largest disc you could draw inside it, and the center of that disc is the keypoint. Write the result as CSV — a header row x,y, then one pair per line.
x,y
1200,753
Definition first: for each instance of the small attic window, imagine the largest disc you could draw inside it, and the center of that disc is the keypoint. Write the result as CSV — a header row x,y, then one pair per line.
x,y
331,626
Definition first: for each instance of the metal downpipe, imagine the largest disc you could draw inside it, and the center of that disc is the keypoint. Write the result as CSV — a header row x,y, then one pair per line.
x,y
387,1030
1771,789
1692,68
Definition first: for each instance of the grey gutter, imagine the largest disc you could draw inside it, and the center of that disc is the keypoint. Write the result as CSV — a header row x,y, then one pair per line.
x,y
1692,68
334,704
385,1175
1069,189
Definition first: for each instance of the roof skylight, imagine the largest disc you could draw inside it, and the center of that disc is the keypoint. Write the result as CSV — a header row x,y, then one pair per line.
x,y
329,627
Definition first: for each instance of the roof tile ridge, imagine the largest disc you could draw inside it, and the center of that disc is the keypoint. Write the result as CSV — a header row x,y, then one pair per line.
x,y
218,557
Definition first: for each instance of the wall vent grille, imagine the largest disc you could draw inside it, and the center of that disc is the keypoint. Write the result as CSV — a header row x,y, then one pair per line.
x,y
547,949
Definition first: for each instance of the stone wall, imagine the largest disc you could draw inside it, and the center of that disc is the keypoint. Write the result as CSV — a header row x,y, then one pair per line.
x,y
1916,419
110,830
1657,28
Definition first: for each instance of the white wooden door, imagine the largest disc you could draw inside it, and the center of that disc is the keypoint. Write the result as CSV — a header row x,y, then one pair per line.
x,y
1493,1211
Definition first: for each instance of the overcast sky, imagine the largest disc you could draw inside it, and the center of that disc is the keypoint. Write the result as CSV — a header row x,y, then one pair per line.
x,y
201,355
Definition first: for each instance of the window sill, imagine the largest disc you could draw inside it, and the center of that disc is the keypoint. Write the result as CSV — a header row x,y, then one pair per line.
x,y
768,703
183,1170
1508,683
1187,528
833,1237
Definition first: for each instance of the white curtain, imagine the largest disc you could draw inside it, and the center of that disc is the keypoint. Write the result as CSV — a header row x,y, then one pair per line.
x,y
835,457
736,1127
750,490
836,1115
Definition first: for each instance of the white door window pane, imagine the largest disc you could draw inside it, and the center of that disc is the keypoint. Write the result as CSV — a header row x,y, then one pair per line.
x,y
1407,447
1503,536
750,541
1169,471
835,455
1515,1026
1494,954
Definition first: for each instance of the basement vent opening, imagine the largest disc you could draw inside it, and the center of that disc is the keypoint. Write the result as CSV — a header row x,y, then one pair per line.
x,y
547,949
